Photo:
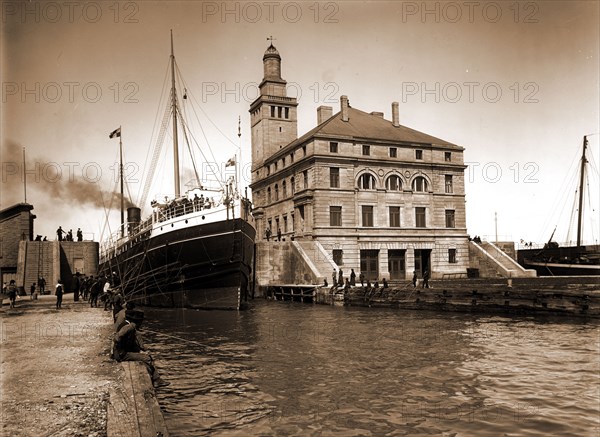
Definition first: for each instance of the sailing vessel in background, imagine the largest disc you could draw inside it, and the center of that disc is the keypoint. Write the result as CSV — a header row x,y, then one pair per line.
x,y
554,260
196,248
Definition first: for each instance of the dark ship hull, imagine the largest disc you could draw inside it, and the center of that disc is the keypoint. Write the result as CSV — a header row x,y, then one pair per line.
x,y
562,261
206,266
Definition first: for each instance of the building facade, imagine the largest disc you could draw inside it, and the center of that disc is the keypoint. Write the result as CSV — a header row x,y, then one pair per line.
x,y
375,196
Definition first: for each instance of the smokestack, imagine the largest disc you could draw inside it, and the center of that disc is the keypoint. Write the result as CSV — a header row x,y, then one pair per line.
x,y
344,104
324,113
395,114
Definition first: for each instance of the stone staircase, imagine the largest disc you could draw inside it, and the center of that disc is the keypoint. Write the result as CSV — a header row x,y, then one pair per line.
x,y
318,264
292,262
493,262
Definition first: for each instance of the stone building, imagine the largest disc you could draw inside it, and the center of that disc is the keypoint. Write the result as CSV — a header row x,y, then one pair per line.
x,y
357,191
16,225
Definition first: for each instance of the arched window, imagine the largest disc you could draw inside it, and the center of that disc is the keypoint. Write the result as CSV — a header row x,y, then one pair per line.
x,y
293,185
284,189
269,195
276,192
366,182
393,183
420,184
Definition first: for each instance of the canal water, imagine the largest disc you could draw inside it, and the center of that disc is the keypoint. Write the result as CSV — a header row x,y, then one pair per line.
x,y
301,369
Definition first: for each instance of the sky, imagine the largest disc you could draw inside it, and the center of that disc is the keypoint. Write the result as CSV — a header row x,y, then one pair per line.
x,y
515,83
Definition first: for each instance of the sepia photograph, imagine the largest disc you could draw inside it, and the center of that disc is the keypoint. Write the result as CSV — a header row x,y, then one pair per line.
x,y
341,218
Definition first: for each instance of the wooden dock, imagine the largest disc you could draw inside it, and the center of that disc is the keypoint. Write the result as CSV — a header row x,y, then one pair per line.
x,y
565,296
133,411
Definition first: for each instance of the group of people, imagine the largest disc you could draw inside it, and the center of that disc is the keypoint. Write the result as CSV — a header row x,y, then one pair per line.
x,y
68,236
183,205
338,280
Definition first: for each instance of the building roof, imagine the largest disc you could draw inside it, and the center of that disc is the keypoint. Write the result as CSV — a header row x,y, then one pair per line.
x,y
14,210
364,127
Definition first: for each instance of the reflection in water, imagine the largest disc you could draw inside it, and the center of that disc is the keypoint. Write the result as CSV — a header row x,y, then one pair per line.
x,y
286,369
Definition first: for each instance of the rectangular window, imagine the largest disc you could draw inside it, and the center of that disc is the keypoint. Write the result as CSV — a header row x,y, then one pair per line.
x,y
366,150
452,256
450,218
420,217
279,108
393,152
394,216
333,147
285,229
292,157
335,216
338,256
287,112
305,174
418,154
448,183
367,216
447,156
273,111
334,177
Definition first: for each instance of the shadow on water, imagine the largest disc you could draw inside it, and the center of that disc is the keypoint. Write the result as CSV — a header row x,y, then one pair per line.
x,y
298,369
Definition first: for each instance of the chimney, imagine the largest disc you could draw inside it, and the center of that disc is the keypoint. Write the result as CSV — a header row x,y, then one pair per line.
x,y
344,105
324,113
377,114
395,115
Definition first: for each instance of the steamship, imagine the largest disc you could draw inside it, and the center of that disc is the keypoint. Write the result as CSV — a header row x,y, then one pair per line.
x,y
196,248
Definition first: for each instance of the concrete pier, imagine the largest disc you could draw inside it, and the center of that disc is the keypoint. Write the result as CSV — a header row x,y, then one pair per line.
x,y
58,379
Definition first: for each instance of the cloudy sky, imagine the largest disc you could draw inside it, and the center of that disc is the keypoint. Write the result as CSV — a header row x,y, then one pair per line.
x,y
515,83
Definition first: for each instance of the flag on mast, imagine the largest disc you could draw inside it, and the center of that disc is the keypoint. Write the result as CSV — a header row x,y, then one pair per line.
x,y
115,133
230,162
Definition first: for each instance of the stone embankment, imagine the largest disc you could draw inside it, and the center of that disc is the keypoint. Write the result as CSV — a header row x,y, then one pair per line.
x,y
562,296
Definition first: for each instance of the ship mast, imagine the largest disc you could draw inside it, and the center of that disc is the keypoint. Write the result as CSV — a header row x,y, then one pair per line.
x,y
174,109
581,181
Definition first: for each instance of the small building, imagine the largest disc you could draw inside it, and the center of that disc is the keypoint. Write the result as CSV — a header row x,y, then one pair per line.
x,y
16,225
357,191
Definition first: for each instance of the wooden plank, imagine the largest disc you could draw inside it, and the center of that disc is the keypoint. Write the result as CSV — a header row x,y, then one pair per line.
x,y
133,410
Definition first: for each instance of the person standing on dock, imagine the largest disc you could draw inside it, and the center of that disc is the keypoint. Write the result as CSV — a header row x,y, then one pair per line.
x,y
59,294
32,290
334,278
414,279
79,235
341,278
426,279
352,278
11,292
95,288
59,233
41,285
362,279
